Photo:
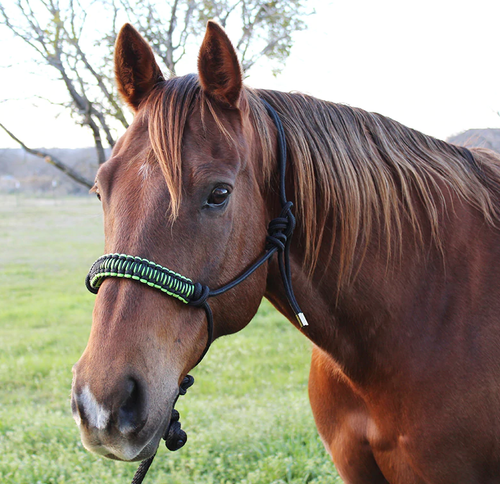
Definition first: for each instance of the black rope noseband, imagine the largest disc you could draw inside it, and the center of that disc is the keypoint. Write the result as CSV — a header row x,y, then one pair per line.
x,y
278,240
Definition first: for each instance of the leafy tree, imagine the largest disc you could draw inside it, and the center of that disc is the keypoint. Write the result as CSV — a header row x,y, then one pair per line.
x,y
59,34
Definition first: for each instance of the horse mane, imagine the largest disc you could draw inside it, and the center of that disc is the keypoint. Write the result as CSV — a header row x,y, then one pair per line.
x,y
355,168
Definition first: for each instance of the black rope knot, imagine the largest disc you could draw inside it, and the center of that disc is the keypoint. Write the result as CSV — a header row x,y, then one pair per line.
x,y
175,437
281,228
200,295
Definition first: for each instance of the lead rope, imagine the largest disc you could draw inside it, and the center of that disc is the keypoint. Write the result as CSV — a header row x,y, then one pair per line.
x,y
142,470
175,437
279,238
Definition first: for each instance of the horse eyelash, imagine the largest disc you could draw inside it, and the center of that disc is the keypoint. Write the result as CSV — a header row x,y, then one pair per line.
x,y
95,190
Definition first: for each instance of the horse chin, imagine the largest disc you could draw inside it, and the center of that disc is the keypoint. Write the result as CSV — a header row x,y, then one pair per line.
x,y
124,450
148,451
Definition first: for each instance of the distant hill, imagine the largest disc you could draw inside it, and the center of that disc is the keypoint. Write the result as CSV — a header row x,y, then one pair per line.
x,y
481,138
21,172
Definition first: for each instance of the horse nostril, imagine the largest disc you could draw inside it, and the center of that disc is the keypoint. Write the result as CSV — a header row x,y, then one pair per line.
x,y
130,412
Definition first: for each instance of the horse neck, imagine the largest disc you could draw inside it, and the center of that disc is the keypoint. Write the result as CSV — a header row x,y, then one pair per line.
x,y
387,295
361,322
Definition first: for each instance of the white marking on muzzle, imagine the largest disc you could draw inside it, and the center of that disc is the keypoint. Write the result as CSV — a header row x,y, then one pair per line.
x,y
97,416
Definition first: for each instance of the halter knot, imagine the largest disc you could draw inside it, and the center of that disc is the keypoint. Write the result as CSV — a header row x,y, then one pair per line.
x,y
280,228
200,295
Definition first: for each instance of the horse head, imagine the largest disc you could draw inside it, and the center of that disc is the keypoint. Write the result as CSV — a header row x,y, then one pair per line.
x,y
184,187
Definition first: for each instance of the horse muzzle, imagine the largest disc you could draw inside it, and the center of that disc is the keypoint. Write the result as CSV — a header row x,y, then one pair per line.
x,y
124,422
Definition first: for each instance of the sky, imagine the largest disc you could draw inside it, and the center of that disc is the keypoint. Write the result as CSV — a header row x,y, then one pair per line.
x,y
432,65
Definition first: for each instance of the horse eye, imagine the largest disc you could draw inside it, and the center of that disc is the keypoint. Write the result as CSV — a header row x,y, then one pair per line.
x,y
218,196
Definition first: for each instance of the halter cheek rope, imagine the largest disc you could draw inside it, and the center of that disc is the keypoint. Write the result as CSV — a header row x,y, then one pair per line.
x,y
278,240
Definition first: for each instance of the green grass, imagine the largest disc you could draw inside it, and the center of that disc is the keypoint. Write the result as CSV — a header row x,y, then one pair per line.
x,y
247,416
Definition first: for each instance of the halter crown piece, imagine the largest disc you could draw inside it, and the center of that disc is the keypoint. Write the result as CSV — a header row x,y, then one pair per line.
x,y
279,237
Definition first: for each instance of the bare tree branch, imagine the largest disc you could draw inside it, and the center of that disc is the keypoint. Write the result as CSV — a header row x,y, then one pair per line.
x,y
247,65
54,30
100,82
48,158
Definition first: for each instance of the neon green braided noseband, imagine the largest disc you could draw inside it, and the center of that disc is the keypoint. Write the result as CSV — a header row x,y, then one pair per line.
x,y
141,270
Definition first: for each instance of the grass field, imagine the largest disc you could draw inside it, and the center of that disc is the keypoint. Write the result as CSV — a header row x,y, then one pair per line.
x,y
247,416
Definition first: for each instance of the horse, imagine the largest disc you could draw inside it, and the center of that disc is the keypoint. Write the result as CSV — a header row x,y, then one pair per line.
x,y
394,262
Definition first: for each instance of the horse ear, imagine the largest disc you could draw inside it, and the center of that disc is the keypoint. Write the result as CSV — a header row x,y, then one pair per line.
x,y
136,70
218,67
